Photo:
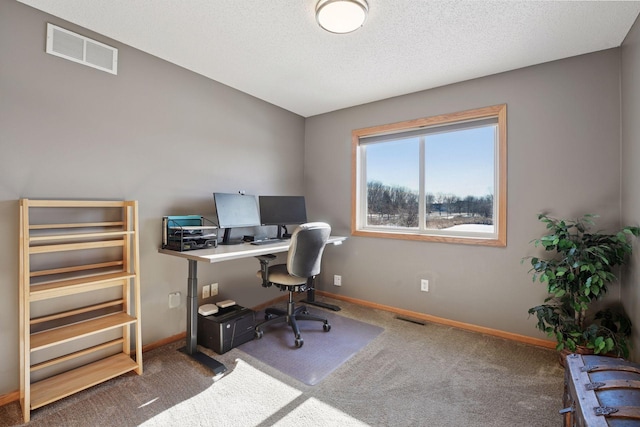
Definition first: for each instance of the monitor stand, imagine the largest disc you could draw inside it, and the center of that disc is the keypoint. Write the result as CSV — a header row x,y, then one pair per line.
x,y
226,239
283,233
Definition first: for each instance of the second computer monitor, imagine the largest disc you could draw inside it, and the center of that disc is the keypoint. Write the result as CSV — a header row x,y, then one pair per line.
x,y
282,211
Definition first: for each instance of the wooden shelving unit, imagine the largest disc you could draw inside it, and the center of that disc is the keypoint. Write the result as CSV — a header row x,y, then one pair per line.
x,y
79,297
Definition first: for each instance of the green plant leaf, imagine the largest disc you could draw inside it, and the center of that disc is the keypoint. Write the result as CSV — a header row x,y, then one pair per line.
x,y
608,345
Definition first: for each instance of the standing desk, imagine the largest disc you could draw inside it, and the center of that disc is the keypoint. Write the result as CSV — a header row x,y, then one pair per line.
x,y
213,255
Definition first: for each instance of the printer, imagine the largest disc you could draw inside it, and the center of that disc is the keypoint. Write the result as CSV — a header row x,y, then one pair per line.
x,y
225,328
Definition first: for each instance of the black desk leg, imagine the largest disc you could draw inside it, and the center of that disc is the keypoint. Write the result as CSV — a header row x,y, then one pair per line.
x,y
192,323
311,298
192,307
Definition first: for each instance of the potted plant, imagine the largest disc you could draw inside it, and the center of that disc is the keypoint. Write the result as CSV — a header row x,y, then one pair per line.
x,y
579,266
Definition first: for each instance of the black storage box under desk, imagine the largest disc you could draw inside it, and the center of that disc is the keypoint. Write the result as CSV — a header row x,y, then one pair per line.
x,y
601,392
226,329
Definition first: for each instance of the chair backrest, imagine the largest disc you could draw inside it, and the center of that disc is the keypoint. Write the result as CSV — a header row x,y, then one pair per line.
x,y
307,245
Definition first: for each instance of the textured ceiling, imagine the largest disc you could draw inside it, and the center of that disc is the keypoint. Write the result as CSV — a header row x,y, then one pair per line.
x,y
275,51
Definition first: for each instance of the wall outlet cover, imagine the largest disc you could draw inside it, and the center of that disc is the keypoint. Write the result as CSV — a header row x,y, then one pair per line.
x,y
174,299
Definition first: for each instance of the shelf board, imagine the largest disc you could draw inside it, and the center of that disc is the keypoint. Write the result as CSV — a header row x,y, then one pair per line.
x,y
69,236
68,333
71,356
37,203
75,246
76,225
70,382
60,288
74,268
81,310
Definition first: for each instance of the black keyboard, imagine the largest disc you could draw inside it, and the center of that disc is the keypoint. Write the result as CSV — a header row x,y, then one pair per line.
x,y
266,241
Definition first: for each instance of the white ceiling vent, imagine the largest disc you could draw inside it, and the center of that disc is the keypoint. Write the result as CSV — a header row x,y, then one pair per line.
x,y
77,48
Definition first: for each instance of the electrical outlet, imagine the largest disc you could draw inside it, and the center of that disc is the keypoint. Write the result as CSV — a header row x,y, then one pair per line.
x,y
424,285
214,289
206,291
337,280
174,299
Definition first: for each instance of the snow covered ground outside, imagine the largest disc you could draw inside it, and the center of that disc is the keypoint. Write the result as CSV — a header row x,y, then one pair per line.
x,y
475,228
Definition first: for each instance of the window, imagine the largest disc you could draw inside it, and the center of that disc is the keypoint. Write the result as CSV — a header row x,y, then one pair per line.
x,y
439,179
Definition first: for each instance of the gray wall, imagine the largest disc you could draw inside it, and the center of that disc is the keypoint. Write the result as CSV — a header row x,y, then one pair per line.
x,y
155,133
630,172
563,157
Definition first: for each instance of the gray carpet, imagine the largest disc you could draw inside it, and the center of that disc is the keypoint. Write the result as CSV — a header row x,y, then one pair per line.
x,y
410,375
322,352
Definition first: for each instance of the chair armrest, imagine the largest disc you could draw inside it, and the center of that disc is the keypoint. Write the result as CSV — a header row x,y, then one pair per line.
x,y
264,268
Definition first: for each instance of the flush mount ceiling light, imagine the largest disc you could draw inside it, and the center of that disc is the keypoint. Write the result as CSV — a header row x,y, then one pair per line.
x,y
341,16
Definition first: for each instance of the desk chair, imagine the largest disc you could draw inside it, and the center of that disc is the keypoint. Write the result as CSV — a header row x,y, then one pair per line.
x,y
297,275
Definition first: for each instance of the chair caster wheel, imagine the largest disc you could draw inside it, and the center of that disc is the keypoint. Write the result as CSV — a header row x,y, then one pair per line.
x,y
258,334
299,342
326,327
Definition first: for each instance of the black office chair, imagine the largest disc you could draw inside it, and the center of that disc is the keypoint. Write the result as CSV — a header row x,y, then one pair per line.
x,y
297,275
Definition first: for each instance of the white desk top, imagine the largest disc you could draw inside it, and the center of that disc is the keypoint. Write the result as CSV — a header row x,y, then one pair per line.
x,y
244,250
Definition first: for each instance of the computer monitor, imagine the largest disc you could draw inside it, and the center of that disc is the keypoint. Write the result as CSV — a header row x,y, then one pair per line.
x,y
235,210
282,211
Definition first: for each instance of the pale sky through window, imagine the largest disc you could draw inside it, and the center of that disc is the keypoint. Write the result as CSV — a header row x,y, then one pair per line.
x,y
459,162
